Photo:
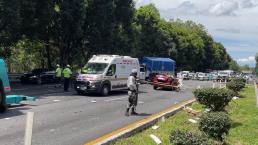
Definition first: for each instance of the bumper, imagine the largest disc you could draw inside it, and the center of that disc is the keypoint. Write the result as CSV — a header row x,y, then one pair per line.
x,y
87,87
163,85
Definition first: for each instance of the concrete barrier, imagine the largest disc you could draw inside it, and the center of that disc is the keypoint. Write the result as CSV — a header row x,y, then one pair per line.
x,y
139,126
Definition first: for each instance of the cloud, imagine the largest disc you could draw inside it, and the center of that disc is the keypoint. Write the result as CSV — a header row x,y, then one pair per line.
x,y
250,59
184,8
248,4
224,8
230,30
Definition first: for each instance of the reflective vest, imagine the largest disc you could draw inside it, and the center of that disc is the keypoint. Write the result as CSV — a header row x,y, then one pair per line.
x,y
58,72
67,73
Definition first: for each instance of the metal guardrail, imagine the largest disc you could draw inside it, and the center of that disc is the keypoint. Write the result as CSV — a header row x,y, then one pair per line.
x,y
14,77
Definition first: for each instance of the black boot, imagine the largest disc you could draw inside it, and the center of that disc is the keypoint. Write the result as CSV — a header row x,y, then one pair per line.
x,y
133,112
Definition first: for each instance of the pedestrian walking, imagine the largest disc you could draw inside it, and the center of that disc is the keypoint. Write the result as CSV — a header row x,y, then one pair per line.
x,y
133,93
58,75
67,73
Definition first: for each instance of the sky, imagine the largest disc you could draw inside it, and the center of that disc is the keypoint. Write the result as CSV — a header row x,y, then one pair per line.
x,y
234,23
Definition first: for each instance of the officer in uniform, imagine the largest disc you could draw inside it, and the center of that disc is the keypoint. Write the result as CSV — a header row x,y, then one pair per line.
x,y
58,75
67,76
132,92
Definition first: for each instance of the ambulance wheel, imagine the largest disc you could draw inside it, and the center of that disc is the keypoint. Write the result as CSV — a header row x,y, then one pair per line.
x,y
155,87
2,109
39,81
2,98
105,90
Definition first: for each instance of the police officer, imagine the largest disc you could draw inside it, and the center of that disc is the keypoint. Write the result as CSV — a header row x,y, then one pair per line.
x,y
58,75
67,76
132,92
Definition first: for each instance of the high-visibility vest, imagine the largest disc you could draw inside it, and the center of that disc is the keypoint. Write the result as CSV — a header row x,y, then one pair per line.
x,y
58,72
67,73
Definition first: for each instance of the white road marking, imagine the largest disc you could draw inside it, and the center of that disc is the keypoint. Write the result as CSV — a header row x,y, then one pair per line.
x,y
93,101
115,99
28,129
7,118
56,100
140,102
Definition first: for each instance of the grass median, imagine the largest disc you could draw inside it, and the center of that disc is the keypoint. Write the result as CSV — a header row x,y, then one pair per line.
x,y
243,113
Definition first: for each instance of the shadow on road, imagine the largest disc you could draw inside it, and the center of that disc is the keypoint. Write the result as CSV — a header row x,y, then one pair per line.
x,y
13,111
143,114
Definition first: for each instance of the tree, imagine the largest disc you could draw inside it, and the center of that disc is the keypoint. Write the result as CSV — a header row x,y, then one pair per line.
x,y
9,25
150,37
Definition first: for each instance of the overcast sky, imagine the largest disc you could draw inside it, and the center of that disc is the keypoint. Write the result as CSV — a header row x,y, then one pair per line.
x,y
234,23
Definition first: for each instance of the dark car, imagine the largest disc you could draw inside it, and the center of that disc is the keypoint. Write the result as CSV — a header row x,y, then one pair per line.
x,y
38,76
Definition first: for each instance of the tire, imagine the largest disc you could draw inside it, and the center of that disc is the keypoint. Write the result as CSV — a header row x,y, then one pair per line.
x,y
105,90
39,81
2,98
155,87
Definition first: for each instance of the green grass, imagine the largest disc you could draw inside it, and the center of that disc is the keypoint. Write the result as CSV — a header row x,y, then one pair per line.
x,y
244,131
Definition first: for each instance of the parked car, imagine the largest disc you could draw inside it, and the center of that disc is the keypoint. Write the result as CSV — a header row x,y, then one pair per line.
x,y
203,76
185,75
38,76
191,75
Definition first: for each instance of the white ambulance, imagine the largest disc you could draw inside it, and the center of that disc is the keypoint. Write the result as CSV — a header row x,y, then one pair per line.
x,y
105,73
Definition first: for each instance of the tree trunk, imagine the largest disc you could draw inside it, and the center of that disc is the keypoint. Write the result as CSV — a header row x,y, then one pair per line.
x,y
49,61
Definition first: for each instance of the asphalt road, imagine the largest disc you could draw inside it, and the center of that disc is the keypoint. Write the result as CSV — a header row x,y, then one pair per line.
x,y
70,119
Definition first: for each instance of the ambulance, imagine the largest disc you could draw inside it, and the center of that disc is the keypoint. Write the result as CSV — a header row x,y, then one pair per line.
x,y
105,73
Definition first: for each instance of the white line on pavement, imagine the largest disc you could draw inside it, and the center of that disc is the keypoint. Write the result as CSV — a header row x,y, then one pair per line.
x,y
56,100
116,99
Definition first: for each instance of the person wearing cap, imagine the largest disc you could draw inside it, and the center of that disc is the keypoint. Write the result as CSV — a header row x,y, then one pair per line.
x,y
58,75
132,92
67,73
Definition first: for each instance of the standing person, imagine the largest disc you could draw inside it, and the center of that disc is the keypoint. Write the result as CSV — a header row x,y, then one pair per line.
x,y
67,76
58,75
132,92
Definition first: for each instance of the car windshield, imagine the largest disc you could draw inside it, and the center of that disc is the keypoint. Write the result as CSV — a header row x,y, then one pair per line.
x,y
94,68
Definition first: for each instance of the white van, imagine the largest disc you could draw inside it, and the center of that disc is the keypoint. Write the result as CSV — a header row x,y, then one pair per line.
x,y
105,73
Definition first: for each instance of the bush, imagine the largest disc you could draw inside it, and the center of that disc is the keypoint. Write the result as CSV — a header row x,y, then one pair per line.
x,y
215,124
236,85
214,98
178,137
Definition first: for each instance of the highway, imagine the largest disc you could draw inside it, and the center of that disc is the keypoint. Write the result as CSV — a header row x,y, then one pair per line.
x,y
70,119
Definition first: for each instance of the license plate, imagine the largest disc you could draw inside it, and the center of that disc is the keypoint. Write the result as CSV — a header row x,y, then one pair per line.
x,y
83,88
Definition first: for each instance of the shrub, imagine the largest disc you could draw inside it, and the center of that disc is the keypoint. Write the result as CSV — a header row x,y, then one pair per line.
x,y
239,80
236,85
215,124
214,98
178,137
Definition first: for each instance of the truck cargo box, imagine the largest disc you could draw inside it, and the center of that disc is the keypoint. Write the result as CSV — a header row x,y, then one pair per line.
x,y
159,65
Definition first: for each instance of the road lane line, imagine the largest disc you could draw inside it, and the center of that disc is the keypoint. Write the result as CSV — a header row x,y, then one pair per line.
x,y
28,129
115,99
128,128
